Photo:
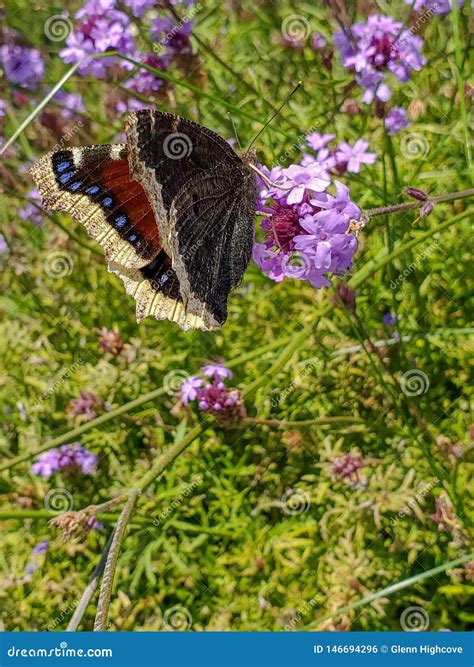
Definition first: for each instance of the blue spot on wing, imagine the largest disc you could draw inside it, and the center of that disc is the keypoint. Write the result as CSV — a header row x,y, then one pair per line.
x,y
132,237
62,166
121,221
75,186
107,201
65,178
92,190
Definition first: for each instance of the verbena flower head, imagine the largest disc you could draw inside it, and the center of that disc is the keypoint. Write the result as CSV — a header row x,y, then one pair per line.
x,y
73,459
70,103
396,120
378,46
213,397
30,212
100,28
306,227
390,319
111,341
434,6
40,548
23,67
85,405
347,468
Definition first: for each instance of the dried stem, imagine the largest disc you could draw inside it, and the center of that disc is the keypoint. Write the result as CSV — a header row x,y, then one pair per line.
x,y
103,604
408,206
89,590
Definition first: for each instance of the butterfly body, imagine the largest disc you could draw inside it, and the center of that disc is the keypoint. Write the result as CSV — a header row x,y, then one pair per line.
x,y
173,210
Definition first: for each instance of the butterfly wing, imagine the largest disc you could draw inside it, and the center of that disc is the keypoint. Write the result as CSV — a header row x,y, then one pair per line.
x,y
93,185
204,199
211,238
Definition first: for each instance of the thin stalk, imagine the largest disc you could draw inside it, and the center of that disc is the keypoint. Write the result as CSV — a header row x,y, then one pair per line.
x,y
90,589
284,423
408,206
103,604
393,588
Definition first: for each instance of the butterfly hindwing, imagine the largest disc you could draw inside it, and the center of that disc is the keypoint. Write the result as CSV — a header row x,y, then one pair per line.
x,y
211,238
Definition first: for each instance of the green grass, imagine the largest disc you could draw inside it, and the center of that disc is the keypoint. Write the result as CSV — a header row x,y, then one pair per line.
x,y
229,551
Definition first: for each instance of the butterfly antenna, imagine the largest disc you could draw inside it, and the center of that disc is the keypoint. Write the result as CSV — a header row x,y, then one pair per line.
x,y
284,103
235,130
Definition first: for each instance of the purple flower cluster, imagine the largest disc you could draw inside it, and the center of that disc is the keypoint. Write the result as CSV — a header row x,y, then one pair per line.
x,y
212,395
30,212
396,120
101,27
85,406
72,458
433,6
371,49
23,67
307,229
347,467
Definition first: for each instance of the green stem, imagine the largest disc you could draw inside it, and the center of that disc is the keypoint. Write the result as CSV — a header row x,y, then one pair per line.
x,y
393,588
408,206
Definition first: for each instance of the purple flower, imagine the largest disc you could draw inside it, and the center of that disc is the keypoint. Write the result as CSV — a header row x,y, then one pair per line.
x,y
85,405
317,141
189,389
31,212
102,28
40,548
72,458
351,157
376,47
389,319
435,6
139,7
3,105
337,211
347,468
395,120
318,41
23,67
3,245
144,82
71,103
217,371
303,180
175,37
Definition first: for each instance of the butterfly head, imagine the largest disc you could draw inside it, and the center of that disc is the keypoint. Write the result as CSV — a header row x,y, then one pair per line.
x,y
250,157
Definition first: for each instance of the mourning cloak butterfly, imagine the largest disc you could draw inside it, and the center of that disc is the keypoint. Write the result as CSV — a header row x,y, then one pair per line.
x,y
173,210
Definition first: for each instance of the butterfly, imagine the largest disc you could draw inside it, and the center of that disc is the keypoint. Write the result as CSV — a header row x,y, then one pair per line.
x,y
173,209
